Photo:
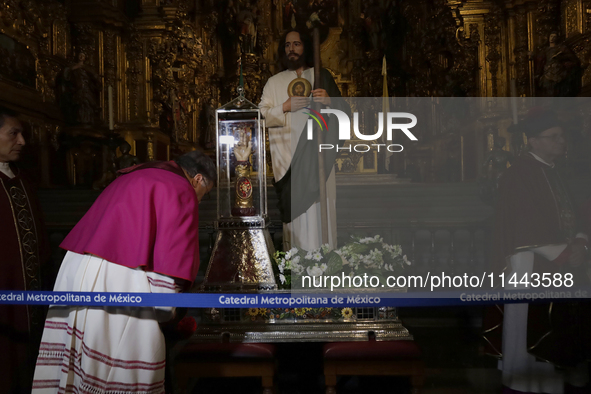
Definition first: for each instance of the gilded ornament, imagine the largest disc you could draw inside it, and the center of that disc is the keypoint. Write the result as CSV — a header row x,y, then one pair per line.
x,y
492,40
571,17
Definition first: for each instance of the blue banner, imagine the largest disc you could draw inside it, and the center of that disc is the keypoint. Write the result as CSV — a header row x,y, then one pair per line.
x,y
286,300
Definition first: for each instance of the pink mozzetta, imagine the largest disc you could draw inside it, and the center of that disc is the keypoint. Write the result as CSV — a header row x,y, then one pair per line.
x,y
148,217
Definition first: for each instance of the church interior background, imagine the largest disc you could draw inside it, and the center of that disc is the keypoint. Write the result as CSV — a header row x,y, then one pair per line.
x,y
89,75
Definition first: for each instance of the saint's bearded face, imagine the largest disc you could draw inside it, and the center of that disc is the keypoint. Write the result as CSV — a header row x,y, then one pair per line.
x,y
294,51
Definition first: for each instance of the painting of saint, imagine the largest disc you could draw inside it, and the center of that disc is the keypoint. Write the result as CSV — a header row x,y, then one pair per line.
x,y
299,87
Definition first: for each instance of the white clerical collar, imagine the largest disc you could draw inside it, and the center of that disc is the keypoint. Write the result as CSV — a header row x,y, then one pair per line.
x,y
5,169
538,158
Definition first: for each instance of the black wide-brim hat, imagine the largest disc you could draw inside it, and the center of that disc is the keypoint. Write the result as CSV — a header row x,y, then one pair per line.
x,y
538,120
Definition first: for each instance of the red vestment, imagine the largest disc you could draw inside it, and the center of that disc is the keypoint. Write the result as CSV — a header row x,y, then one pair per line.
x,y
23,253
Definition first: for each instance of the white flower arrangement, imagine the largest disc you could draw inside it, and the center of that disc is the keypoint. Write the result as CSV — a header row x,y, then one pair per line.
x,y
369,255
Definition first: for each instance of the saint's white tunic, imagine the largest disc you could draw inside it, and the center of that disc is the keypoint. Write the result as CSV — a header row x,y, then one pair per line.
x,y
305,231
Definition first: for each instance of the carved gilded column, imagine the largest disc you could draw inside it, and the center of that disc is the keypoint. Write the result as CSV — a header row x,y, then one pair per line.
x,y
492,41
150,145
148,27
510,44
277,21
475,29
586,10
520,51
133,76
265,26
110,56
572,17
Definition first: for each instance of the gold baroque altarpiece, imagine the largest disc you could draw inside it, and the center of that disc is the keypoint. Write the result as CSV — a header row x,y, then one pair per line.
x,y
157,69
